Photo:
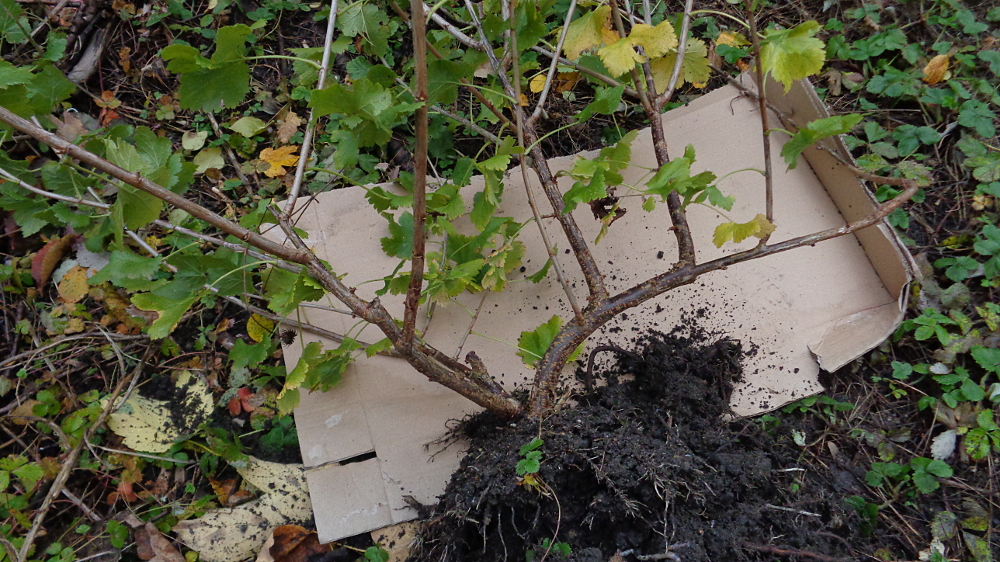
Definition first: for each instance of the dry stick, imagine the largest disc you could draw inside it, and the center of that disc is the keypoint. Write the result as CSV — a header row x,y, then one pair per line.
x,y
60,341
540,165
138,181
412,301
233,161
456,33
70,463
552,67
324,69
294,268
65,198
765,128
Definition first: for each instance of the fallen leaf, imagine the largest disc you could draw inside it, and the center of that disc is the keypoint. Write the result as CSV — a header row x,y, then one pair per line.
x,y
27,408
259,327
248,126
70,127
293,543
237,533
73,286
289,126
209,158
234,408
150,426
732,39
537,83
152,545
567,81
45,261
936,70
397,539
194,141
278,158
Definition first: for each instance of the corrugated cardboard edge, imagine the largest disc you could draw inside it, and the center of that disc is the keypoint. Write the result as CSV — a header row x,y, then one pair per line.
x,y
886,252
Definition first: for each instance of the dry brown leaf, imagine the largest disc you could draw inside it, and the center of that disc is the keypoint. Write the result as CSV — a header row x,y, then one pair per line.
x,y
293,543
46,260
278,158
936,70
397,539
567,81
289,126
27,408
73,286
152,545
70,127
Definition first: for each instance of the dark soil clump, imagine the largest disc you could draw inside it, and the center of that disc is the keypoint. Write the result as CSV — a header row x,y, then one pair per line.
x,y
637,465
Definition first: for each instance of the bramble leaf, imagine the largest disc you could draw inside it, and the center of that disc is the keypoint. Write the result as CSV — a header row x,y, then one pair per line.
x,y
792,54
170,312
814,131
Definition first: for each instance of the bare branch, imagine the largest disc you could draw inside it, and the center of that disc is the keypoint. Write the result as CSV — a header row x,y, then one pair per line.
x,y
412,302
50,195
552,67
681,49
136,180
232,155
324,69
765,128
497,67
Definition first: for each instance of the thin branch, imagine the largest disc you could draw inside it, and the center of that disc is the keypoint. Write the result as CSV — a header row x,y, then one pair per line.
x,y
764,127
457,33
584,70
497,67
412,302
50,195
552,67
324,69
681,50
541,166
469,124
233,161
138,181
70,463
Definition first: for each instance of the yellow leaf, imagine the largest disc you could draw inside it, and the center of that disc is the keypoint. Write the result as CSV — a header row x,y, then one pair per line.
x,y
657,41
738,232
278,158
608,35
732,39
936,70
586,32
620,57
73,286
695,68
567,81
259,327
537,83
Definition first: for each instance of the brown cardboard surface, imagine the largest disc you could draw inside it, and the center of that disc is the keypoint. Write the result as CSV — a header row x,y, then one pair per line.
x,y
801,309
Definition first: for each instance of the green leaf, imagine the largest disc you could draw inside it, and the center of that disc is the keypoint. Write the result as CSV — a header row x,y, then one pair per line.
x,y
288,297
245,355
993,58
209,84
12,22
530,446
987,357
985,168
533,345
792,54
248,126
311,355
359,18
118,533
29,475
379,346
170,312
124,266
400,242
814,131
606,101
975,114
585,192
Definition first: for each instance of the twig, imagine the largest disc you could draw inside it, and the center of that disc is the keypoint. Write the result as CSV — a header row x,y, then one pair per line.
x,y
582,69
231,155
457,33
469,124
324,69
138,454
472,325
790,510
70,462
497,67
138,181
412,301
83,507
765,128
65,198
790,552
62,340
681,50
539,107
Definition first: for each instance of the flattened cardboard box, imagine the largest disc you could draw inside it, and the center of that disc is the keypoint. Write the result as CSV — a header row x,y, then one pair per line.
x,y
804,309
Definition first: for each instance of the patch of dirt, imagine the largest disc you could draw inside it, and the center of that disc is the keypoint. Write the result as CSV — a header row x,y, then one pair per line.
x,y
645,461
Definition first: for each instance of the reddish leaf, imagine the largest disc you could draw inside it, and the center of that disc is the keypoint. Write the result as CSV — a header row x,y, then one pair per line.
x,y
246,397
152,545
46,260
234,406
295,544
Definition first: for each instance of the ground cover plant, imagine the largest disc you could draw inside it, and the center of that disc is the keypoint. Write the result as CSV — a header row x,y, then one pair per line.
x,y
213,111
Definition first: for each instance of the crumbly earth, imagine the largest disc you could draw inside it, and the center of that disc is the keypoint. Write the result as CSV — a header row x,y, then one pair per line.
x,y
646,465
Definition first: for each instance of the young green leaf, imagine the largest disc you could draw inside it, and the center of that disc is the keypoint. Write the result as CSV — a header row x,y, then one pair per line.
x,y
738,232
792,54
814,131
